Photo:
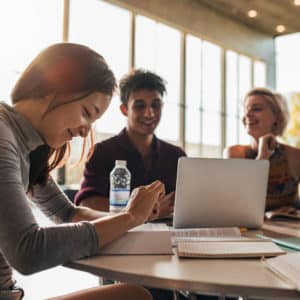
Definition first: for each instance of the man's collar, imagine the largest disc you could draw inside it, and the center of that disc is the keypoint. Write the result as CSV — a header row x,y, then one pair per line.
x,y
127,143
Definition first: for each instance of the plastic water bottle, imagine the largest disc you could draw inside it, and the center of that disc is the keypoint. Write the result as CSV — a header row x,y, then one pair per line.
x,y
119,186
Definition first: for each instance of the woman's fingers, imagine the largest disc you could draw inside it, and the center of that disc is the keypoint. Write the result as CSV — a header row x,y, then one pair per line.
x,y
266,146
157,186
144,201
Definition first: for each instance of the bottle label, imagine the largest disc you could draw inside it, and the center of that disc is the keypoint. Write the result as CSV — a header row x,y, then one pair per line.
x,y
119,197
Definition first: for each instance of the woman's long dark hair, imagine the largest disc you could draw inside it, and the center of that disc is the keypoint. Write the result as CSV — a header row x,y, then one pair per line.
x,y
61,69
40,164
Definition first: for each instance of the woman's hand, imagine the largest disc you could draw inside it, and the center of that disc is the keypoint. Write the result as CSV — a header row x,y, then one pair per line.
x,y
266,146
140,206
144,201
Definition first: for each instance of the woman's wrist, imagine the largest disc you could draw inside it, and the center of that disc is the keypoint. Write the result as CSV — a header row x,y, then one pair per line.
x,y
263,156
133,221
260,156
114,226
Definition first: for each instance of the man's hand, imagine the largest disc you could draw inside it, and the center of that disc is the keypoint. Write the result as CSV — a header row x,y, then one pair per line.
x,y
166,203
164,207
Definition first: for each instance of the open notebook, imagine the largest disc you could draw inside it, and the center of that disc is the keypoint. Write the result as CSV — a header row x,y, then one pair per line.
x,y
287,267
205,234
228,249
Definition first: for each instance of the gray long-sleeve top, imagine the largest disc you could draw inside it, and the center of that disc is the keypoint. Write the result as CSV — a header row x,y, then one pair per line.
x,y
24,245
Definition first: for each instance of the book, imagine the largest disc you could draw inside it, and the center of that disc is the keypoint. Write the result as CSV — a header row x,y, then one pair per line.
x,y
290,212
205,234
287,267
285,227
144,239
228,249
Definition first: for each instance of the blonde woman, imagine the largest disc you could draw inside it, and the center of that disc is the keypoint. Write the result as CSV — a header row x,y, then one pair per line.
x,y
265,119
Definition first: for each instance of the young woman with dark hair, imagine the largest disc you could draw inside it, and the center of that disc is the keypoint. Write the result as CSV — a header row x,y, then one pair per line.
x,y
60,94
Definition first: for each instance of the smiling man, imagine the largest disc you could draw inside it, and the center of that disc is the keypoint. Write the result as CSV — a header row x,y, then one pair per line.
x,y
148,158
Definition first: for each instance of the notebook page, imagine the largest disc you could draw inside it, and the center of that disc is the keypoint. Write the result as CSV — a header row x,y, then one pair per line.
x,y
227,249
151,227
205,234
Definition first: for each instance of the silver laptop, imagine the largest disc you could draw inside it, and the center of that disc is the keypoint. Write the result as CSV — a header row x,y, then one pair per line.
x,y
220,192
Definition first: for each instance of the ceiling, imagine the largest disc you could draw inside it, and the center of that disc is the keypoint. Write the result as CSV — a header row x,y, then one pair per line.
x,y
270,13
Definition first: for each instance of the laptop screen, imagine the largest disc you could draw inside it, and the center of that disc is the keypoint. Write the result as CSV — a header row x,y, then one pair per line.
x,y
220,192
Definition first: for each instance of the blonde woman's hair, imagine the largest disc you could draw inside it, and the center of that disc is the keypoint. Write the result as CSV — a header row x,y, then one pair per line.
x,y
278,105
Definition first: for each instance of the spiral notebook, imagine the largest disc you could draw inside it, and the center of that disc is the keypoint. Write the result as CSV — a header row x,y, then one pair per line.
x,y
228,249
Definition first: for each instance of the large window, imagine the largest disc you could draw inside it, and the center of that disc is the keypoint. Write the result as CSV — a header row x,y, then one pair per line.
x,y
245,84
193,95
259,74
202,98
93,23
211,71
288,63
205,118
27,27
232,99
158,49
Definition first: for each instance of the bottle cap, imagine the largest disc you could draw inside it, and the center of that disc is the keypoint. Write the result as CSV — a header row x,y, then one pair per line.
x,y
122,163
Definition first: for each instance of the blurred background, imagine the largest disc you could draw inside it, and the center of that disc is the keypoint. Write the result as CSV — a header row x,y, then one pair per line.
x,y
211,52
